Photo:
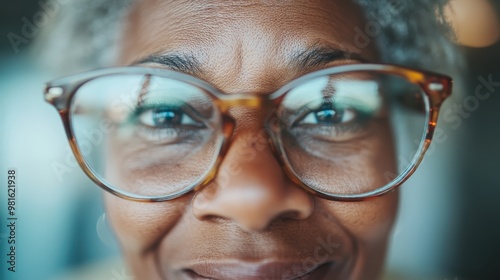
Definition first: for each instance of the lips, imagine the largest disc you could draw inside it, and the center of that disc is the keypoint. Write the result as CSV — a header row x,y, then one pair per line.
x,y
275,270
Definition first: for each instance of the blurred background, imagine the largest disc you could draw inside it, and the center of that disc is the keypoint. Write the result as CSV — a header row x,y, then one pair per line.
x,y
449,222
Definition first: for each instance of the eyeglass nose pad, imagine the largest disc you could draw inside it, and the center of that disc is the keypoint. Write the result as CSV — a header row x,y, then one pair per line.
x,y
272,127
228,125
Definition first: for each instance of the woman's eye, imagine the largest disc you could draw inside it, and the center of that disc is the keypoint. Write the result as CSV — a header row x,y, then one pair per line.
x,y
328,115
163,117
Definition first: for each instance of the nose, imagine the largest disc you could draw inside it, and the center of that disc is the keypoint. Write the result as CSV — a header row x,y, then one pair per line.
x,y
251,188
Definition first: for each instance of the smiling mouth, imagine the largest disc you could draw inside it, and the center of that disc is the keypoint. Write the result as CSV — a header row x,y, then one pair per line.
x,y
257,271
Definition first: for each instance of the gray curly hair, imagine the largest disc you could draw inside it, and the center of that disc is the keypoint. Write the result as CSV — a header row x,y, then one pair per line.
x,y
85,34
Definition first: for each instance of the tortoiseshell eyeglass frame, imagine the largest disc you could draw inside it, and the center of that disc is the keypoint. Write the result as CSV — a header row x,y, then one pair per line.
x,y
436,88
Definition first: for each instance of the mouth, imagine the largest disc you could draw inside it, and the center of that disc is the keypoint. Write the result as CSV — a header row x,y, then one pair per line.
x,y
275,270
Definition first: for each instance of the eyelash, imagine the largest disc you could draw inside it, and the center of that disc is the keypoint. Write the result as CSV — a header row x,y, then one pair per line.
x,y
174,134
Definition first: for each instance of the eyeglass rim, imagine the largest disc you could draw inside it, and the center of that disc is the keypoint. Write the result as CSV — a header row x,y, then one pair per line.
x,y
436,88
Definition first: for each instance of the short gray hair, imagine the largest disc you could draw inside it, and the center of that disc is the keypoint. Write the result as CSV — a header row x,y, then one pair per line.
x,y
85,34
82,35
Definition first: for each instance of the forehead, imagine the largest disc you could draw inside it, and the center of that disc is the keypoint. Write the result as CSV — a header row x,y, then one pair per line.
x,y
241,37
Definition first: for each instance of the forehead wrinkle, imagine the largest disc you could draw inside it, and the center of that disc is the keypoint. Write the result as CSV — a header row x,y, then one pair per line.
x,y
251,60
247,52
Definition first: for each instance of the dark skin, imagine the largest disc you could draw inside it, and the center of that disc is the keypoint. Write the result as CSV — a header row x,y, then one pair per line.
x,y
252,216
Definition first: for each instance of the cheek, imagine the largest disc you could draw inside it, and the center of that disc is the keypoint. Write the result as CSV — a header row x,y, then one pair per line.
x,y
139,226
369,222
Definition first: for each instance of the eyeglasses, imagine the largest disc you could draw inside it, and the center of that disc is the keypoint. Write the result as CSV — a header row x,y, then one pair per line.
x,y
346,133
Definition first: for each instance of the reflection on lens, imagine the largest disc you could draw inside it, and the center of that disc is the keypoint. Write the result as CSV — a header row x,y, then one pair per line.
x,y
162,135
150,136
337,135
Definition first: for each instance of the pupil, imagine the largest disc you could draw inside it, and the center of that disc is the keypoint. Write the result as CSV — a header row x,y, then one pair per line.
x,y
167,117
327,115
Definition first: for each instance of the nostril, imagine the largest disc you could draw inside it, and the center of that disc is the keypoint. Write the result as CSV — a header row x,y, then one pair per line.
x,y
215,219
292,215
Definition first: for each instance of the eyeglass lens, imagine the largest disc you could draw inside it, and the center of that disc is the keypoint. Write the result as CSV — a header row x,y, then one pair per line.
x,y
155,136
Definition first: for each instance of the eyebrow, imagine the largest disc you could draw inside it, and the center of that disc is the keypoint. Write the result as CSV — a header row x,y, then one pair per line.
x,y
320,55
313,57
176,61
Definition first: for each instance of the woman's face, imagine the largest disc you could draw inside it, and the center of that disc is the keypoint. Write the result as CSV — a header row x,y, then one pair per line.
x,y
252,222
